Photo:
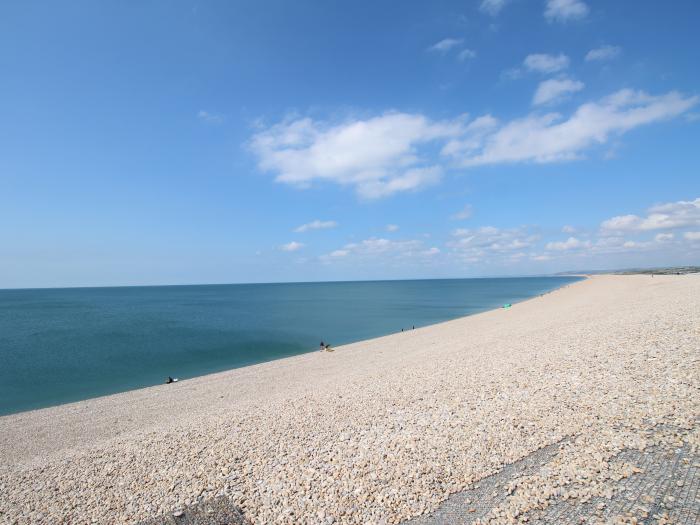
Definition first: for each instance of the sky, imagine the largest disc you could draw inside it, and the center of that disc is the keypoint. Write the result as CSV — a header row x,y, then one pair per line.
x,y
174,142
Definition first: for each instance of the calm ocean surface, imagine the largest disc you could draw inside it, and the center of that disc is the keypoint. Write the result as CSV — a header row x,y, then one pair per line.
x,y
63,345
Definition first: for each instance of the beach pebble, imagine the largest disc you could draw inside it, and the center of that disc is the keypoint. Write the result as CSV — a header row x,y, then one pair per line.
x,y
385,430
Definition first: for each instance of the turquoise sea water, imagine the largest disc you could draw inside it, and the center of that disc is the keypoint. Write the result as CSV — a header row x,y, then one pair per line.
x,y
62,345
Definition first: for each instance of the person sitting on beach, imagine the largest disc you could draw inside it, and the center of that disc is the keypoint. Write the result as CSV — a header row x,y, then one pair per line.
x,y
323,346
169,380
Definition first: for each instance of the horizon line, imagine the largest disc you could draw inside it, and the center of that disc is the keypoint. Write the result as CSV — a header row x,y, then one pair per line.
x,y
514,276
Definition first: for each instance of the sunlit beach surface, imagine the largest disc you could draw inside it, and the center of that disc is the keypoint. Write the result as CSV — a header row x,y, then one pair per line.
x,y
383,430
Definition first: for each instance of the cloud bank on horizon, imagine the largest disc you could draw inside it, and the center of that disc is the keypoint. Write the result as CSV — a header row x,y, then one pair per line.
x,y
672,226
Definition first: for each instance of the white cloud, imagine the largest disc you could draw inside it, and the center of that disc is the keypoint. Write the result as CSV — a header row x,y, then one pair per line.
x,y
603,53
386,249
492,7
568,229
464,213
210,118
291,246
470,137
486,243
555,89
572,243
392,227
513,73
565,10
444,45
466,54
377,156
551,138
607,245
621,223
504,246
413,179
544,63
672,215
395,152
315,225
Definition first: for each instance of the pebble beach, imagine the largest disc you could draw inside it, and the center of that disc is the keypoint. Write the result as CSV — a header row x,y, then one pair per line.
x,y
385,430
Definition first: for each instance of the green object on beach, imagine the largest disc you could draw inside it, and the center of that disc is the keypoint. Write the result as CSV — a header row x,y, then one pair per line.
x,y
507,305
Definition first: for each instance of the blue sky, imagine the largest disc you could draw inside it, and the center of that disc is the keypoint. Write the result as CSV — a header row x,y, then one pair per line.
x,y
158,142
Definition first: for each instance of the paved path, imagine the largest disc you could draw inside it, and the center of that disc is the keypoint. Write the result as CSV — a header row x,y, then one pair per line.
x,y
217,511
666,490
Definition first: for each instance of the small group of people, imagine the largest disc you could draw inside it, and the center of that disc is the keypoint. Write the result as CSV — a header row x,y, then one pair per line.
x,y
324,346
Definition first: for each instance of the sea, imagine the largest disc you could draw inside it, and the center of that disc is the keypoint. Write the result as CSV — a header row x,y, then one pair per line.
x,y
68,344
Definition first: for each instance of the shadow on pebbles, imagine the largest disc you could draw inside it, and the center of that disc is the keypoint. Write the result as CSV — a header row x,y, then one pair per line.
x,y
217,511
658,484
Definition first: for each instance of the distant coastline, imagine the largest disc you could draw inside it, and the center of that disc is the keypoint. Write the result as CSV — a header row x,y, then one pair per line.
x,y
658,270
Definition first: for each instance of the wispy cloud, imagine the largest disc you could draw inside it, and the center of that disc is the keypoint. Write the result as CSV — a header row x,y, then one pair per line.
x,y
385,249
603,53
486,243
544,63
448,44
466,54
555,90
671,215
315,225
444,45
565,10
492,7
392,227
210,118
464,213
553,138
291,246
664,237
572,243
410,180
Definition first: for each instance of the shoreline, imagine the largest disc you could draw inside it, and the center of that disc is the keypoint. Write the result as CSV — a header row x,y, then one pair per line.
x,y
378,431
70,413
224,371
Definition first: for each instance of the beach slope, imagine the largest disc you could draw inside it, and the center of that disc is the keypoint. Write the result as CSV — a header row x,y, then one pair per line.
x,y
382,430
